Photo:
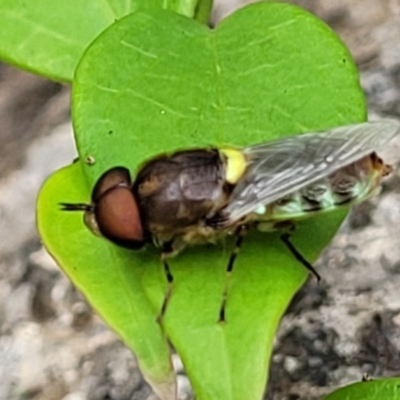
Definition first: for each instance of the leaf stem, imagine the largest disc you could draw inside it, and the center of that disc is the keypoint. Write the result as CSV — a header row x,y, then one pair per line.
x,y
203,11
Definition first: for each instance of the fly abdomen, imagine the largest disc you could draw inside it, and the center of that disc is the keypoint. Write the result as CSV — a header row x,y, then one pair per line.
x,y
351,184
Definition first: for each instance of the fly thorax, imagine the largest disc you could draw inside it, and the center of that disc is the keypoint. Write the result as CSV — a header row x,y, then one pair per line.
x,y
176,191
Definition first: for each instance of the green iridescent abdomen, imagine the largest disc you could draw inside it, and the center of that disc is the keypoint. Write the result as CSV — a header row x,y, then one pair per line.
x,y
348,186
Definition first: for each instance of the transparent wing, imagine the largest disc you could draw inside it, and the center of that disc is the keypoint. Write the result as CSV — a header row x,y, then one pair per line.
x,y
284,166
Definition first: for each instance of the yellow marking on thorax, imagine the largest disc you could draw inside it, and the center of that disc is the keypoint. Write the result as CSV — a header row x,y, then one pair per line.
x,y
235,165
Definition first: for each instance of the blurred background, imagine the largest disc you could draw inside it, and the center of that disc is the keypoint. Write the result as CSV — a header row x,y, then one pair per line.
x,y
53,346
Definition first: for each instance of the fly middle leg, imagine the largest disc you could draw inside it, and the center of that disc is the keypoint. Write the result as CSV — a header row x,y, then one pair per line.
x,y
239,233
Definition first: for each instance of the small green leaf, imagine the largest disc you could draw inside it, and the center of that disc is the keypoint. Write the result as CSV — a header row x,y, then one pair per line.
x,y
103,273
380,389
49,38
155,82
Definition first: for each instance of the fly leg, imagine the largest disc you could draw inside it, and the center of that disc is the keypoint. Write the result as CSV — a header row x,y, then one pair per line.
x,y
285,237
240,233
170,282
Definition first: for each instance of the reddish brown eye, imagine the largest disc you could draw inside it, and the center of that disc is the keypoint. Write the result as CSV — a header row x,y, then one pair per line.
x,y
116,211
118,176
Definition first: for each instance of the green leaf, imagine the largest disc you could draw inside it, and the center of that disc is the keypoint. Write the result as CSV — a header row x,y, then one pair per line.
x,y
49,37
155,82
103,273
387,389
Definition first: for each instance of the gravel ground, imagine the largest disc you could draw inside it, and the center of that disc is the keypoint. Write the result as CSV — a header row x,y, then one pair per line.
x,y
52,346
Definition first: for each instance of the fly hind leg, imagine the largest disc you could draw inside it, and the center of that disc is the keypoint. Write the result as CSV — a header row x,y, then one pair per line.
x,y
285,237
240,233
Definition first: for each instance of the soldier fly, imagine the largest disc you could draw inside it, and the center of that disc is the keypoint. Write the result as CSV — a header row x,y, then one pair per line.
x,y
201,195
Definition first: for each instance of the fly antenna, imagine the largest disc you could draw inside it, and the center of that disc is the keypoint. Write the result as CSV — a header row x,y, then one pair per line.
x,y
76,207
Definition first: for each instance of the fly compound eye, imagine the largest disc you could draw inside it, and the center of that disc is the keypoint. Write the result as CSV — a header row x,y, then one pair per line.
x,y
114,177
115,209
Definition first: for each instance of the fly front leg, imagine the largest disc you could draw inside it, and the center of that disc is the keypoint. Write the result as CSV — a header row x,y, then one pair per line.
x,y
166,253
170,281
239,233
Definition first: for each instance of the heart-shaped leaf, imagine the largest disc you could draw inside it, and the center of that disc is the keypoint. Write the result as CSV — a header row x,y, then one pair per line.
x,y
155,82
49,38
